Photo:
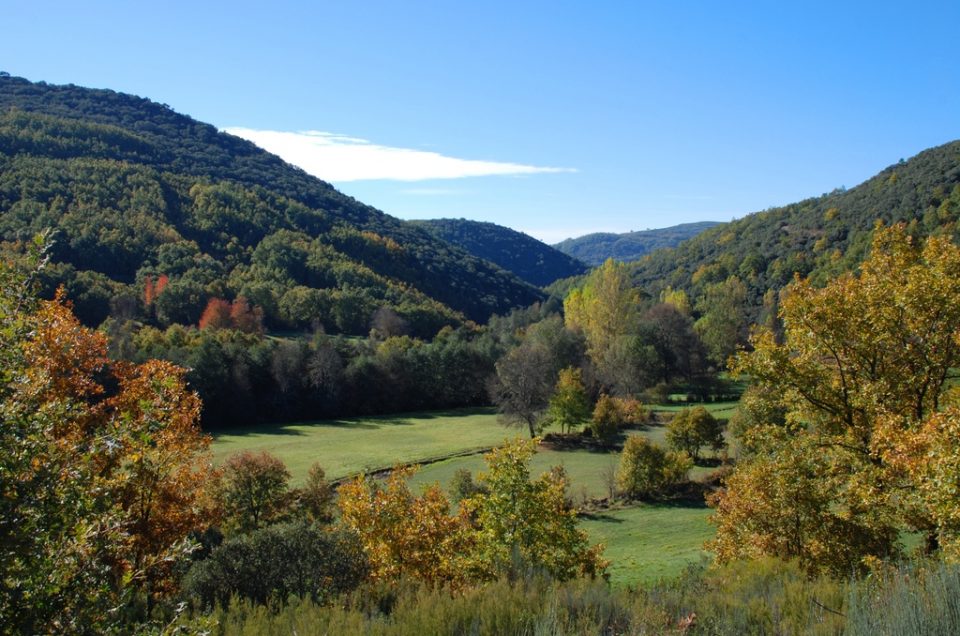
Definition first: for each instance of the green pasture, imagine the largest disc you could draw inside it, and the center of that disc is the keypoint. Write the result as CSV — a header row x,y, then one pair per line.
x,y
650,542
350,445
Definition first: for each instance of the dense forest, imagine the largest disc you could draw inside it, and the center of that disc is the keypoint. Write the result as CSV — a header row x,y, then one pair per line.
x,y
819,237
530,259
595,248
135,190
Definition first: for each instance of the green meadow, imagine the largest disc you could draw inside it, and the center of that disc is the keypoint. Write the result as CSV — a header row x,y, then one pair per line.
x,y
644,543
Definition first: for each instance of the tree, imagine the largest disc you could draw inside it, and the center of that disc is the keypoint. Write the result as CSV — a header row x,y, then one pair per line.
x,y
253,490
522,387
692,429
861,376
723,321
569,405
317,495
529,519
605,309
406,535
647,469
273,563
100,490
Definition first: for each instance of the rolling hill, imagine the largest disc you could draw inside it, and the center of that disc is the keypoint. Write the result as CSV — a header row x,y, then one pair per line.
x,y
818,237
594,249
136,192
530,259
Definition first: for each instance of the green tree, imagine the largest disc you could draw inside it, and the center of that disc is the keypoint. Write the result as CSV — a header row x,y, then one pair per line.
x,y
529,519
692,429
522,387
569,405
723,322
646,469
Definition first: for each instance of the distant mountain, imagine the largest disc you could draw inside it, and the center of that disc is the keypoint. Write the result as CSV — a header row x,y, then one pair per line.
x,y
530,259
818,237
594,249
136,191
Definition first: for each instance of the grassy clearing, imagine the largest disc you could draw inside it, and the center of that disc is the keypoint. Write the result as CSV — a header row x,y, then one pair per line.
x,y
350,445
650,542
717,409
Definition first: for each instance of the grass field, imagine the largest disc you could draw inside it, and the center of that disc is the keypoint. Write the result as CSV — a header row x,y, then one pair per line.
x,y
350,445
650,542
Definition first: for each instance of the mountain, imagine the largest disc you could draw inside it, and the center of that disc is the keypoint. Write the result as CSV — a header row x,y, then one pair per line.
x,y
819,237
136,192
530,259
594,249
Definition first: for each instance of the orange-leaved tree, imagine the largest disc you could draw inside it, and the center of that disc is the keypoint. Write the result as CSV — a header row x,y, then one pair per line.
x,y
101,487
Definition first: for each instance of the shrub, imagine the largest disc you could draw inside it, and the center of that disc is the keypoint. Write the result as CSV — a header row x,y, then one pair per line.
x,y
647,469
299,559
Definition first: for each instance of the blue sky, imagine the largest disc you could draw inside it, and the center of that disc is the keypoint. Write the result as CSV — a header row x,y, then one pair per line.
x,y
555,118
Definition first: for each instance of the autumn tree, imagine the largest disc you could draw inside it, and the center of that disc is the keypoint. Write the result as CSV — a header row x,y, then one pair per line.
x,y
569,405
861,378
404,534
517,516
605,309
612,413
101,487
253,490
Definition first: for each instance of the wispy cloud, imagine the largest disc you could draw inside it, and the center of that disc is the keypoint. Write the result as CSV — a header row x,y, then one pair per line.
x,y
432,192
339,158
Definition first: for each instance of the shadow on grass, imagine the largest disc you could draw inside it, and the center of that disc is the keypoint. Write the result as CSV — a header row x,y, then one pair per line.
x,y
600,516
370,422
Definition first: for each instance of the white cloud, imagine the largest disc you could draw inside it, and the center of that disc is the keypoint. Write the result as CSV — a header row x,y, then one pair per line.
x,y
339,158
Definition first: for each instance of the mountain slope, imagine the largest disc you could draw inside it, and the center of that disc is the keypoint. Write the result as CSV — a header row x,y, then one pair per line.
x,y
594,249
135,189
530,259
819,237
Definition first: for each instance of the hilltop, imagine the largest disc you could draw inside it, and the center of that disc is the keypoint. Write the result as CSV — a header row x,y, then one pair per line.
x,y
595,248
531,260
136,191
818,237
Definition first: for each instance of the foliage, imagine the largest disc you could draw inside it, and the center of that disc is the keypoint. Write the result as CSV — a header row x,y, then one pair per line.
x,y
818,237
605,309
527,258
569,405
293,559
105,470
405,535
595,248
646,469
862,375
692,429
529,520
138,191
610,414
253,490
522,387
316,496
723,320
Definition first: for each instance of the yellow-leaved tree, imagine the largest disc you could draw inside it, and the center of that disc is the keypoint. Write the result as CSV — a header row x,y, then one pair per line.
x,y
862,444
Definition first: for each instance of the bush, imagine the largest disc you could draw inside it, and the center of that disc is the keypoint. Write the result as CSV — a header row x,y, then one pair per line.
x,y
299,559
647,469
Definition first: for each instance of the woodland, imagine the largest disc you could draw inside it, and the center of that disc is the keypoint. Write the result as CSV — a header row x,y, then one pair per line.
x,y
164,285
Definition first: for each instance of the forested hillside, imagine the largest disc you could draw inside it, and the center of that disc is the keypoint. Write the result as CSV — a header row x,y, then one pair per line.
x,y
138,193
595,248
530,259
818,237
